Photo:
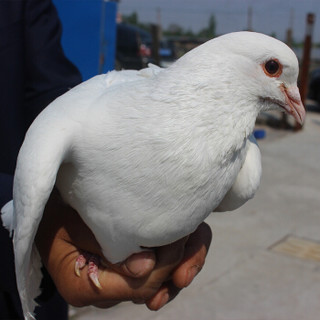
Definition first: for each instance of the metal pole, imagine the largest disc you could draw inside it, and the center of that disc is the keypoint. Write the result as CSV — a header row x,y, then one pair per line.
x,y
155,32
303,84
306,57
249,19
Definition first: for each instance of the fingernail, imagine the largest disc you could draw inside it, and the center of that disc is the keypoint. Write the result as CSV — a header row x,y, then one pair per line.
x,y
192,274
164,300
140,263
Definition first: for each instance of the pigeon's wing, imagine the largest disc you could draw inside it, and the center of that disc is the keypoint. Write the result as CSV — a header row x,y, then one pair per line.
x,y
48,143
45,147
247,181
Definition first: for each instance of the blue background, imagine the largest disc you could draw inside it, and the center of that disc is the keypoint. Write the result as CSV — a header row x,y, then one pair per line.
x,y
89,32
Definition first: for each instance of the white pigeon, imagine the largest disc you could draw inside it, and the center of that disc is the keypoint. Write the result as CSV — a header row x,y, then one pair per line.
x,y
145,156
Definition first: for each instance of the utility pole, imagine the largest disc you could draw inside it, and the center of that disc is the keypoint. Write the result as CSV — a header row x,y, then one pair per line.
x,y
249,26
155,33
303,84
159,16
156,38
289,39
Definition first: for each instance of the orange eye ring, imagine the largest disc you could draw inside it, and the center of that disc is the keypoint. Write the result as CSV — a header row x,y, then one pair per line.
x,y
272,68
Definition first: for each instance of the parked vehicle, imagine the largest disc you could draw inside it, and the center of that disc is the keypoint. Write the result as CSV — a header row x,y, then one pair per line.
x,y
167,53
133,50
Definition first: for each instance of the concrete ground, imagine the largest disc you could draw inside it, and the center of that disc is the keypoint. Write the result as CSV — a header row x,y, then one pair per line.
x,y
264,262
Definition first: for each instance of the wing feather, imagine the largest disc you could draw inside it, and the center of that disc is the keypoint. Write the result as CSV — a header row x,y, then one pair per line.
x,y
247,181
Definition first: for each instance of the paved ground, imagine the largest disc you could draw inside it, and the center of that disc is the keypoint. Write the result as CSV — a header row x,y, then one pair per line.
x,y
264,263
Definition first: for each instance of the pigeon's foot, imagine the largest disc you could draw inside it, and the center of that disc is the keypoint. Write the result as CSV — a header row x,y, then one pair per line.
x,y
93,262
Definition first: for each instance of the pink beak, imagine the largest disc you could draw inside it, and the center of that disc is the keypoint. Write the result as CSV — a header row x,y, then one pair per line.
x,y
294,105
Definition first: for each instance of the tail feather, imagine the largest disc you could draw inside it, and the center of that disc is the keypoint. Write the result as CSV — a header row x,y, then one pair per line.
x,y
7,216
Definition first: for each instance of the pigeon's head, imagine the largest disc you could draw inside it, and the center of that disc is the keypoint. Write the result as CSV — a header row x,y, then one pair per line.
x,y
270,69
256,68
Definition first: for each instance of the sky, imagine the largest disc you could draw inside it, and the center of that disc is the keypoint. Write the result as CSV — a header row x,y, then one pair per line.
x,y
268,16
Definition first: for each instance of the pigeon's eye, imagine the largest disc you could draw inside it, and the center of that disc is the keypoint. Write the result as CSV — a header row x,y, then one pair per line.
x,y
272,68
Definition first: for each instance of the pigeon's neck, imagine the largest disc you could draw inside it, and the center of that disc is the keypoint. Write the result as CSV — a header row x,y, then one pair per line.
x,y
231,128
225,113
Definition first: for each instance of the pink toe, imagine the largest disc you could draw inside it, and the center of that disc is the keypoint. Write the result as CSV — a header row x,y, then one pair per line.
x,y
81,261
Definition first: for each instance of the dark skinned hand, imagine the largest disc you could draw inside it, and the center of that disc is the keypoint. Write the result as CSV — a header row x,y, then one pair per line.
x,y
152,277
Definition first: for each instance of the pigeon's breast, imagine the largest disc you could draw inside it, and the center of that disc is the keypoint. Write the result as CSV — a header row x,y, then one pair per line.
x,y
155,193
137,171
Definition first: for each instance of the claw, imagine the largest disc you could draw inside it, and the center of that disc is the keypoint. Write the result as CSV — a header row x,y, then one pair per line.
x,y
93,267
93,271
80,263
95,280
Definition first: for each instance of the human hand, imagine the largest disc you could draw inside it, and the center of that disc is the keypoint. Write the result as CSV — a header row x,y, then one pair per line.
x,y
151,277
193,253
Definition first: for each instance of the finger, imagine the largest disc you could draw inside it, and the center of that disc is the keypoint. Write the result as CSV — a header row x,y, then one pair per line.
x,y
196,250
165,294
170,255
138,265
141,264
144,288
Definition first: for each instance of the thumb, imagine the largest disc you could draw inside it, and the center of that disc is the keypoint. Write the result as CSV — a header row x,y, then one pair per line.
x,y
138,265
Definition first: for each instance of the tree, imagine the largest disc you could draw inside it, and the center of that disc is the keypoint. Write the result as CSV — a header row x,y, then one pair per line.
x,y
134,20
174,30
210,31
131,18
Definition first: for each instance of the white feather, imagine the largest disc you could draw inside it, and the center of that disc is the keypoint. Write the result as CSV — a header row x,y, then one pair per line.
x,y
247,181
145,156
7,216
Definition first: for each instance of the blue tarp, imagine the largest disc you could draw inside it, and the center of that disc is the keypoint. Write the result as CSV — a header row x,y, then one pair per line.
x,y
88,34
